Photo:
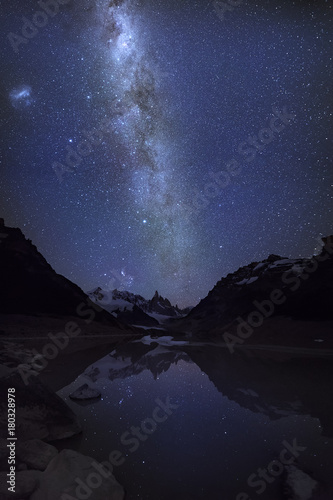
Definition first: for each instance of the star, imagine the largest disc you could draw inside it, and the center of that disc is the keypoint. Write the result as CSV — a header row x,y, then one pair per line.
x,y
162,116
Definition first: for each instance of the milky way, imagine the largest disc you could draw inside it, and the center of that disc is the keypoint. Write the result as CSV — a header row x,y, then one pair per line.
x,y
142,125
141,141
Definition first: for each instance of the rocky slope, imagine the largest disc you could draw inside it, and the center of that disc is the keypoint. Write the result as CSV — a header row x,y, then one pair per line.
x,y
30,286
298,288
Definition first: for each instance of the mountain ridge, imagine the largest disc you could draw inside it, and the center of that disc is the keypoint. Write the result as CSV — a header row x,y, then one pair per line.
x,y
31,286
298,288
134,309
305,286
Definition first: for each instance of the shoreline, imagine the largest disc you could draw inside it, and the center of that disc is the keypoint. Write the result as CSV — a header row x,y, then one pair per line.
x,y
23,339
68,365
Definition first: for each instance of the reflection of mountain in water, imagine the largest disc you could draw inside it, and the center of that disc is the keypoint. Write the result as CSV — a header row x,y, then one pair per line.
x,y
132,359
294,386
277,389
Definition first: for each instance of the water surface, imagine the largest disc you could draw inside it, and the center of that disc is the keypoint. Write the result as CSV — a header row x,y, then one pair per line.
x,y
230,416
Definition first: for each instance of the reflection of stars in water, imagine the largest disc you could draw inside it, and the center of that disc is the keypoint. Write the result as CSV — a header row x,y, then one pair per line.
x,y
126,392
129,392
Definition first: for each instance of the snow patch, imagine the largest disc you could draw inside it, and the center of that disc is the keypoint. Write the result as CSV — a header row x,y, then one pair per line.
x,y
149,328
247,281
249,392
259,266
283,262
165,340
297,269
300,483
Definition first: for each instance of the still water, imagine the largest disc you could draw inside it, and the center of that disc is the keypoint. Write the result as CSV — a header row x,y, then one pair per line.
x,y
190,422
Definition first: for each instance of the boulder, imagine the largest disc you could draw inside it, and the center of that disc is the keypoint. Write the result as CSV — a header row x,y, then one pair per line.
x,y
40,413
5,370
71,475
3,449
85,392
298,485
3,454
35,453
25,484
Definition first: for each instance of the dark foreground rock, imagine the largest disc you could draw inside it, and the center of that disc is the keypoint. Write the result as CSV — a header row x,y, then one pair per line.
x,y
68,476
71,475
36,454
85,392
298,485
40,413
25,484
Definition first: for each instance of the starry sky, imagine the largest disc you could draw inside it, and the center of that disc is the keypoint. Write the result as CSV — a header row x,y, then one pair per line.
x,y
161,144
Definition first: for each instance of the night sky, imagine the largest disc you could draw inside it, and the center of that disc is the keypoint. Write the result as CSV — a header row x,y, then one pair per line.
x,y
161,144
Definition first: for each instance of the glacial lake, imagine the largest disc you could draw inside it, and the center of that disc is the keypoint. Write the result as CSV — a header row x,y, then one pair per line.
x,y
208,420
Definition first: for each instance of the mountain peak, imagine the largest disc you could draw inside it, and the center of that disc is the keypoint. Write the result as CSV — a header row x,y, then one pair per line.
x,y
135,309
303,283
31,286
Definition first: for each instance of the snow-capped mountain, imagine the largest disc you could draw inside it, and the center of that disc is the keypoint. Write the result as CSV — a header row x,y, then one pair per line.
x,y
135,309
29,285
298,288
